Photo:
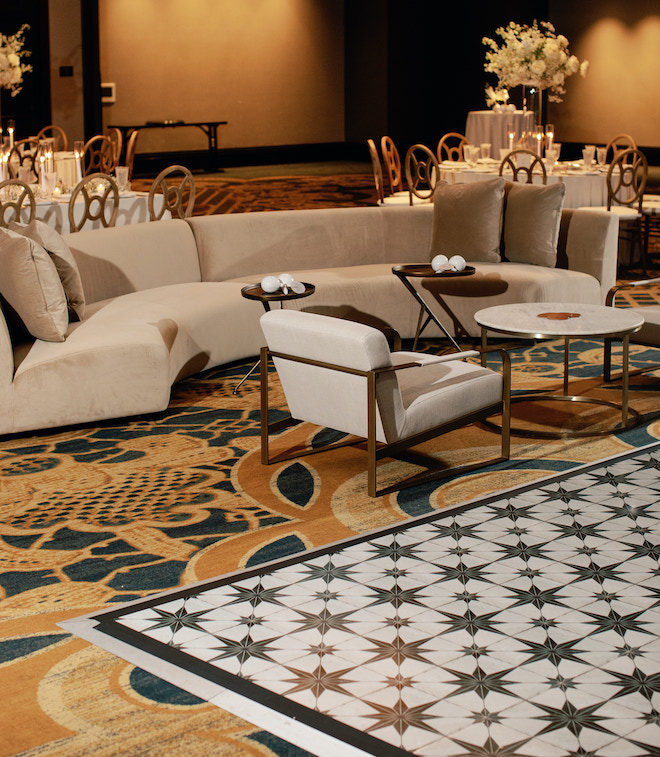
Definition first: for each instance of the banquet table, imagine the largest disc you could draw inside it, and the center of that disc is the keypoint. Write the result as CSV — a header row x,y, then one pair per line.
x,y
133,208
583,188
488,126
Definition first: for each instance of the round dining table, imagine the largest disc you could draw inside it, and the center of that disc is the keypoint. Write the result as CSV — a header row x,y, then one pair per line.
x,y
490,127
583,188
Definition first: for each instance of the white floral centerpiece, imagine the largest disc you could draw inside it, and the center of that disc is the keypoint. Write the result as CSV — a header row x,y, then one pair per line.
x,y
532,56
11,66
496,97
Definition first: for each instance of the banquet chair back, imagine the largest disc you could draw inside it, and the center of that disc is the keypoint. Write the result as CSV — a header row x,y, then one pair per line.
x,y
618,144
131,144
99,155
117,138
524,163
16,202
174,190
392,162
341,375
95,198
422,172
626,179
450,146
19,159
57,134
377,170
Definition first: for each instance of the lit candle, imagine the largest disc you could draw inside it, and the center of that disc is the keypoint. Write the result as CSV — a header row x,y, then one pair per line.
x,y
10,131
511,134
549,136
539,143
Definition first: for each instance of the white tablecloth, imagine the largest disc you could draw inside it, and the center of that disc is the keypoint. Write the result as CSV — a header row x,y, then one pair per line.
x,y
132,209
487,126
582,189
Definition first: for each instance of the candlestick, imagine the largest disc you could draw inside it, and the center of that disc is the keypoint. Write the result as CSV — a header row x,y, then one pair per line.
x,y
10,132
549,136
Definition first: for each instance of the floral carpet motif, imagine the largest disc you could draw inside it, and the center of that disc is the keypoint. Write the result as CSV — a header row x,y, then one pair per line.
x,y
95,516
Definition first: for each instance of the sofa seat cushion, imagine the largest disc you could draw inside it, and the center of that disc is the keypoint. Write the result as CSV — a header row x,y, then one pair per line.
x,y
500,284
123,358
370,294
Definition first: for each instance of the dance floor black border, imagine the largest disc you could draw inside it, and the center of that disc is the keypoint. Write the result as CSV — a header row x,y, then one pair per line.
x,y
104,623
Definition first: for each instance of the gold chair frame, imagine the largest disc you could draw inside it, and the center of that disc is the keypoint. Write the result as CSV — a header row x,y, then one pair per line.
x,y
57,134
434,469
13,194
528,171
377,169
173,196
452,153
110,193
422,172
392,161
618,144
99,155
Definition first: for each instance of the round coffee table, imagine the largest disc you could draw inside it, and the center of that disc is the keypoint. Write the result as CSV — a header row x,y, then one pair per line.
x,y
561,320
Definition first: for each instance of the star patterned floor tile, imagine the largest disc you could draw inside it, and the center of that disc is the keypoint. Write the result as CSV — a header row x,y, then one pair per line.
x,y
528,624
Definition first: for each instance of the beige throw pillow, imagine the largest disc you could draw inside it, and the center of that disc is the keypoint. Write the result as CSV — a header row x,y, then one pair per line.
x,y
467,220
532,217
29,282
67,268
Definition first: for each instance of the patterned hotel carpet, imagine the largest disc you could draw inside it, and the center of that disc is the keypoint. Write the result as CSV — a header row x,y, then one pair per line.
x,y
100,515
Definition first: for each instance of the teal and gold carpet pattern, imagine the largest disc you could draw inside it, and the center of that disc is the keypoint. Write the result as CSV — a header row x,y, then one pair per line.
x,y
95,516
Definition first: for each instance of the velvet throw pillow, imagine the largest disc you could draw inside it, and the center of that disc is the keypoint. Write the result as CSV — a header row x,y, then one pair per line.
x,y
532,217
30,284
67,268
467,220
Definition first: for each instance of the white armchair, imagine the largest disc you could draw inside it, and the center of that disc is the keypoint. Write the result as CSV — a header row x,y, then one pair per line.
x,y
341,375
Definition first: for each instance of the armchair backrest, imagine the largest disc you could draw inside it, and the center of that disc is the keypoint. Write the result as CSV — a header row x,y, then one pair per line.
x,y
325,396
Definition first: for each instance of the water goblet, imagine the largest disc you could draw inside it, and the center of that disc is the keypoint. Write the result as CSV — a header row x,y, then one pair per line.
x,y
551,155
485,150
588,155
601,155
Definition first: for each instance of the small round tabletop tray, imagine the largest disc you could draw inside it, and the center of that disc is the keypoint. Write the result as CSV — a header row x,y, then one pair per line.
x,y
424,270
255,292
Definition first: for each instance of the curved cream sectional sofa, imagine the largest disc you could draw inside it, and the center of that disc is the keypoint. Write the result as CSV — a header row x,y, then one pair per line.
x,y
163,299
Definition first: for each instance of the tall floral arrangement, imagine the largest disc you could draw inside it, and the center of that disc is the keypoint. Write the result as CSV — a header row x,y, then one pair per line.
x,y
12,67
532,56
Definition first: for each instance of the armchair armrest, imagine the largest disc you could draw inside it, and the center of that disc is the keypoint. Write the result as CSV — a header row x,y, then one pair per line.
x,y
611,295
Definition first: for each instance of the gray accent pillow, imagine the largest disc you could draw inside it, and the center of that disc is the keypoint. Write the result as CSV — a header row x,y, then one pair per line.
x,y
532,217
467,220
29,282
67,268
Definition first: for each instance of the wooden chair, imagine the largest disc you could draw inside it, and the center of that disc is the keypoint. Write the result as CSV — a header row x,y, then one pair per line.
x,y
422,172
534,167
96,197
392,163
360,389
99,155
176,186
15,199
131,145
117,138
398,198
57,134
24,159
450,147
618,144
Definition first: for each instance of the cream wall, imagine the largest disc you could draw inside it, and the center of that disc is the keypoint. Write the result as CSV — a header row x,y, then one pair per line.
x,y
621,92
66,50
274,69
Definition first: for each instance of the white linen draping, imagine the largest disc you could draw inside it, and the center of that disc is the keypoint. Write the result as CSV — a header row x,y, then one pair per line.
x,y
488,126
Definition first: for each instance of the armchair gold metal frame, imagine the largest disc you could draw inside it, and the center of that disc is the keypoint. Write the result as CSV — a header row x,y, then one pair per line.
x,y
640,337
377,169
400,450
178,197
96,189
99,155
15,196
618,144
510,161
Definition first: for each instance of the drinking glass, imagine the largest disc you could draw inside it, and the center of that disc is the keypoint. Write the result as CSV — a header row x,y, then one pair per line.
x,y
511,134
121,172
588,155
601,154
551,155
485,150
471,154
